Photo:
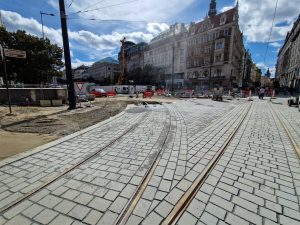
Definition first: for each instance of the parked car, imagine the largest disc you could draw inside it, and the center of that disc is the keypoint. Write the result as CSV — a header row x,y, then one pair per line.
x,y
98,92
83,97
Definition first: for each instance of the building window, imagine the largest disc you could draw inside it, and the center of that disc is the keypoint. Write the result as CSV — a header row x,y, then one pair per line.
x,y
218,58
223,19
207,49
219,45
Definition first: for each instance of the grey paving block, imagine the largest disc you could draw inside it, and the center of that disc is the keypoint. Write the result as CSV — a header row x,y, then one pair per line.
x,y
93,217
46,216
19,220
108,218
61,219
118,204
79,212
99,204
142,208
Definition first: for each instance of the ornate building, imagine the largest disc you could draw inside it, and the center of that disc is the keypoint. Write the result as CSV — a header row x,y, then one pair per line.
x,y
215,50
167,51
288,62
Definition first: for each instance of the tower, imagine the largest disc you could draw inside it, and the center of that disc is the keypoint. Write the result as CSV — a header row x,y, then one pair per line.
x,y
212,8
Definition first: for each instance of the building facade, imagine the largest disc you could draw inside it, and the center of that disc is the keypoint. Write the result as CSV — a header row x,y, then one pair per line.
x,y
288,62
215,51
167,52
106,68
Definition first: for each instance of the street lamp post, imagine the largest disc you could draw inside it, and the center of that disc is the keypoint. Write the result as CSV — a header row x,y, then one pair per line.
x,y
48,14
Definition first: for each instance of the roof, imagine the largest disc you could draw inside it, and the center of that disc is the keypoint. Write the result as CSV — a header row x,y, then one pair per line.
x,y
109,60
216,20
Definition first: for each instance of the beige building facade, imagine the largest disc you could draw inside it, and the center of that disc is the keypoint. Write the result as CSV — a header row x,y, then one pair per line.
x,y
288,62
215,51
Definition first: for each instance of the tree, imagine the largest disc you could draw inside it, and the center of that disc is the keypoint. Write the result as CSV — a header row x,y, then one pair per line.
x,y
43,59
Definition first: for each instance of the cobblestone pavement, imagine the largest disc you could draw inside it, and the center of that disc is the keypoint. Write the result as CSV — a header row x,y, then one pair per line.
x,y
256,181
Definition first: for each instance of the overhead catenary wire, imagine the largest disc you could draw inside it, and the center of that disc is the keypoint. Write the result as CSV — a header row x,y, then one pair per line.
x,y
96,9
71,3
267,49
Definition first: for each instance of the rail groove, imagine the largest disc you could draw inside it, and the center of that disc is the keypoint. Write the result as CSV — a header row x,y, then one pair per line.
x,y
185,200
130,206
289,134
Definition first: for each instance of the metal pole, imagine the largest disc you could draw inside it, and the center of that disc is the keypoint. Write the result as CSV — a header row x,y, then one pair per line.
x,y
42,24
71,91
173,61
6,79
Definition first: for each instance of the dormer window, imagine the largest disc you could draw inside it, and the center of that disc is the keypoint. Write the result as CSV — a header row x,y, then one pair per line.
x,y
223,19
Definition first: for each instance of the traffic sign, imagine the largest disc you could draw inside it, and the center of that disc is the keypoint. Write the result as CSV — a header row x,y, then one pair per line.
x,y
13,53
79,85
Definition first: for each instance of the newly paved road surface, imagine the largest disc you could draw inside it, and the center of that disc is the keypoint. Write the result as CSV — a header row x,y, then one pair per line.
x,y
256,180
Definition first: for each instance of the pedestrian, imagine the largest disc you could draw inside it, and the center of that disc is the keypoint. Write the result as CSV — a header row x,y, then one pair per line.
x,y
261,93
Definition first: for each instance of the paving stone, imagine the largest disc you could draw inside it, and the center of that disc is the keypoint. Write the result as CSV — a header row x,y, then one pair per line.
x,y
93,217
264,212
99,204
50,201
247,215
142,208
196,208
108,218
208,219
187,218
83,198
153,218
33,210
61,219
287,220
79,212
65,206
46,216
164,208
134,220
118,205
16,210
19,220
233,220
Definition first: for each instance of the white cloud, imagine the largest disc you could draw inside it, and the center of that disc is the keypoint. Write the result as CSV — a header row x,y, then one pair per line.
x,y
264,68
77,62
156,28
256,18
93,45
275,44
145,10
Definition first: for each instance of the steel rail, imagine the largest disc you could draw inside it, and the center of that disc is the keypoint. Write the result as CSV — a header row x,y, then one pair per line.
x,y
186,199
84,160
287,131
130,206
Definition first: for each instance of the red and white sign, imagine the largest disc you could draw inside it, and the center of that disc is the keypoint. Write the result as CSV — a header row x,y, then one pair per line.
x,y
79,85
13,53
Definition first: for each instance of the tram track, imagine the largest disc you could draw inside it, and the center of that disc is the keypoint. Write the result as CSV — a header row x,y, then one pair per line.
x,y
185,200
189,195
133,201
71,168
292,140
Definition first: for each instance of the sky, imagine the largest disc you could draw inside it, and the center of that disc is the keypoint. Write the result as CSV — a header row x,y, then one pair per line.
x,y
97,26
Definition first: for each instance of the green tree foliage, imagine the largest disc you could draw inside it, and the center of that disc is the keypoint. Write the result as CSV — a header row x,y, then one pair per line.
x,y
43,61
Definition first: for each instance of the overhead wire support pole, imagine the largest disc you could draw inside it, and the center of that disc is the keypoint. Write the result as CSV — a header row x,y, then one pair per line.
x,y
71,91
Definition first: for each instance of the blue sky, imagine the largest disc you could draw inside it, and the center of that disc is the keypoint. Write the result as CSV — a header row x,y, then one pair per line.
x,y
92,40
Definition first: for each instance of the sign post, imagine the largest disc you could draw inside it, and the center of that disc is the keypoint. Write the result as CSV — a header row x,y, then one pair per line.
x,y
12,53
6,78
